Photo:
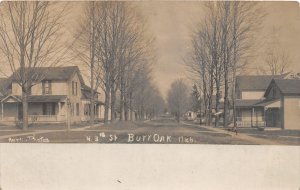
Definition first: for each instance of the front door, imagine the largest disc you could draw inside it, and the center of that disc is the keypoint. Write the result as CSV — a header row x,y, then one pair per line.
x,y
273,117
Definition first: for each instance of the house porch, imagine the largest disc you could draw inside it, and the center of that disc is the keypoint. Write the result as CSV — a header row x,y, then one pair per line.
x,y
265,113
51,110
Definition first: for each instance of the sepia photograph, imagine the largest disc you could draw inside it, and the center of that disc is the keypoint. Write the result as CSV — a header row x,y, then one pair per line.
x,y
149,95
223,72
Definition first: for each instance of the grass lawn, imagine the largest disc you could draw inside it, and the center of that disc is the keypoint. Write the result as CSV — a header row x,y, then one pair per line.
x,y
45,126
279,132
291,137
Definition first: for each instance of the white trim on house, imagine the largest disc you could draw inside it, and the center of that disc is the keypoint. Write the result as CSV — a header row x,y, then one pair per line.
x,y
12,96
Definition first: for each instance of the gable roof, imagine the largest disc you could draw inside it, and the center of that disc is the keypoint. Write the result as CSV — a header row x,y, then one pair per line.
x,y
15,98
285,86
86,92
256,82
53,73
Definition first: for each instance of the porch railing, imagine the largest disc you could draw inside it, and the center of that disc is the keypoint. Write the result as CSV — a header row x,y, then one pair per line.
x,y
42,118
87,118
255,123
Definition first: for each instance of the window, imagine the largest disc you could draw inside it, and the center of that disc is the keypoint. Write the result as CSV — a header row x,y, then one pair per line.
x,y
77,109
47,87
86,109
72,109
74,88
48,108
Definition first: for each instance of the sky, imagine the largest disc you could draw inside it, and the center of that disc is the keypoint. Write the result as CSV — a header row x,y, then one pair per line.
x,y
170,23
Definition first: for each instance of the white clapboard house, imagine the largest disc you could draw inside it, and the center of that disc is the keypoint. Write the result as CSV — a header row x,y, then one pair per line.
x,y
268,101
61,90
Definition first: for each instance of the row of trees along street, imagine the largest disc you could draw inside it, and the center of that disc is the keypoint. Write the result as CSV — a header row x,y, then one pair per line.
x,y
220,46
118,52
110,41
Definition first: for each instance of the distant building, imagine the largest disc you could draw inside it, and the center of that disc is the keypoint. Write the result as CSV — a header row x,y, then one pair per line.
x,y
61,89
190,115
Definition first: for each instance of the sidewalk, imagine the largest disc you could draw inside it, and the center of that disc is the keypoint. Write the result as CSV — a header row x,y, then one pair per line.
x,y
35,131
239,135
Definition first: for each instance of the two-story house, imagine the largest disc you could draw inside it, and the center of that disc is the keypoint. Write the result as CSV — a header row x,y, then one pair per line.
x,y
250,104
61,91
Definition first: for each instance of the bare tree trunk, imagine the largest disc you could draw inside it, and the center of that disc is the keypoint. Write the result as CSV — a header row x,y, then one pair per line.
x,y
234,67
217,102
233,100
226,73
234,86
113,103
200,109
142,116
126,107
122,97
205,109
225,98
92,60
25,110
211,90
106,104
24,88
205,99
130,106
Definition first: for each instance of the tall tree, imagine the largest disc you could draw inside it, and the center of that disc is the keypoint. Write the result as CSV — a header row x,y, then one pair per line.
x,y
277,60
195,100
222,42
137,50
246,20
85,49
178,98
101,37
29,39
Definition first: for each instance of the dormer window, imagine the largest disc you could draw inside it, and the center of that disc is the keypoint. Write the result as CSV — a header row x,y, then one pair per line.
x,y
47,87
74,88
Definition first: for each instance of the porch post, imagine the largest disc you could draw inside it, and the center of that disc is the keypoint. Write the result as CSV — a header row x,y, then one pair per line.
x,y
252,112
100,110
18,112
58,113
264,117
256,118
2,111
95,110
